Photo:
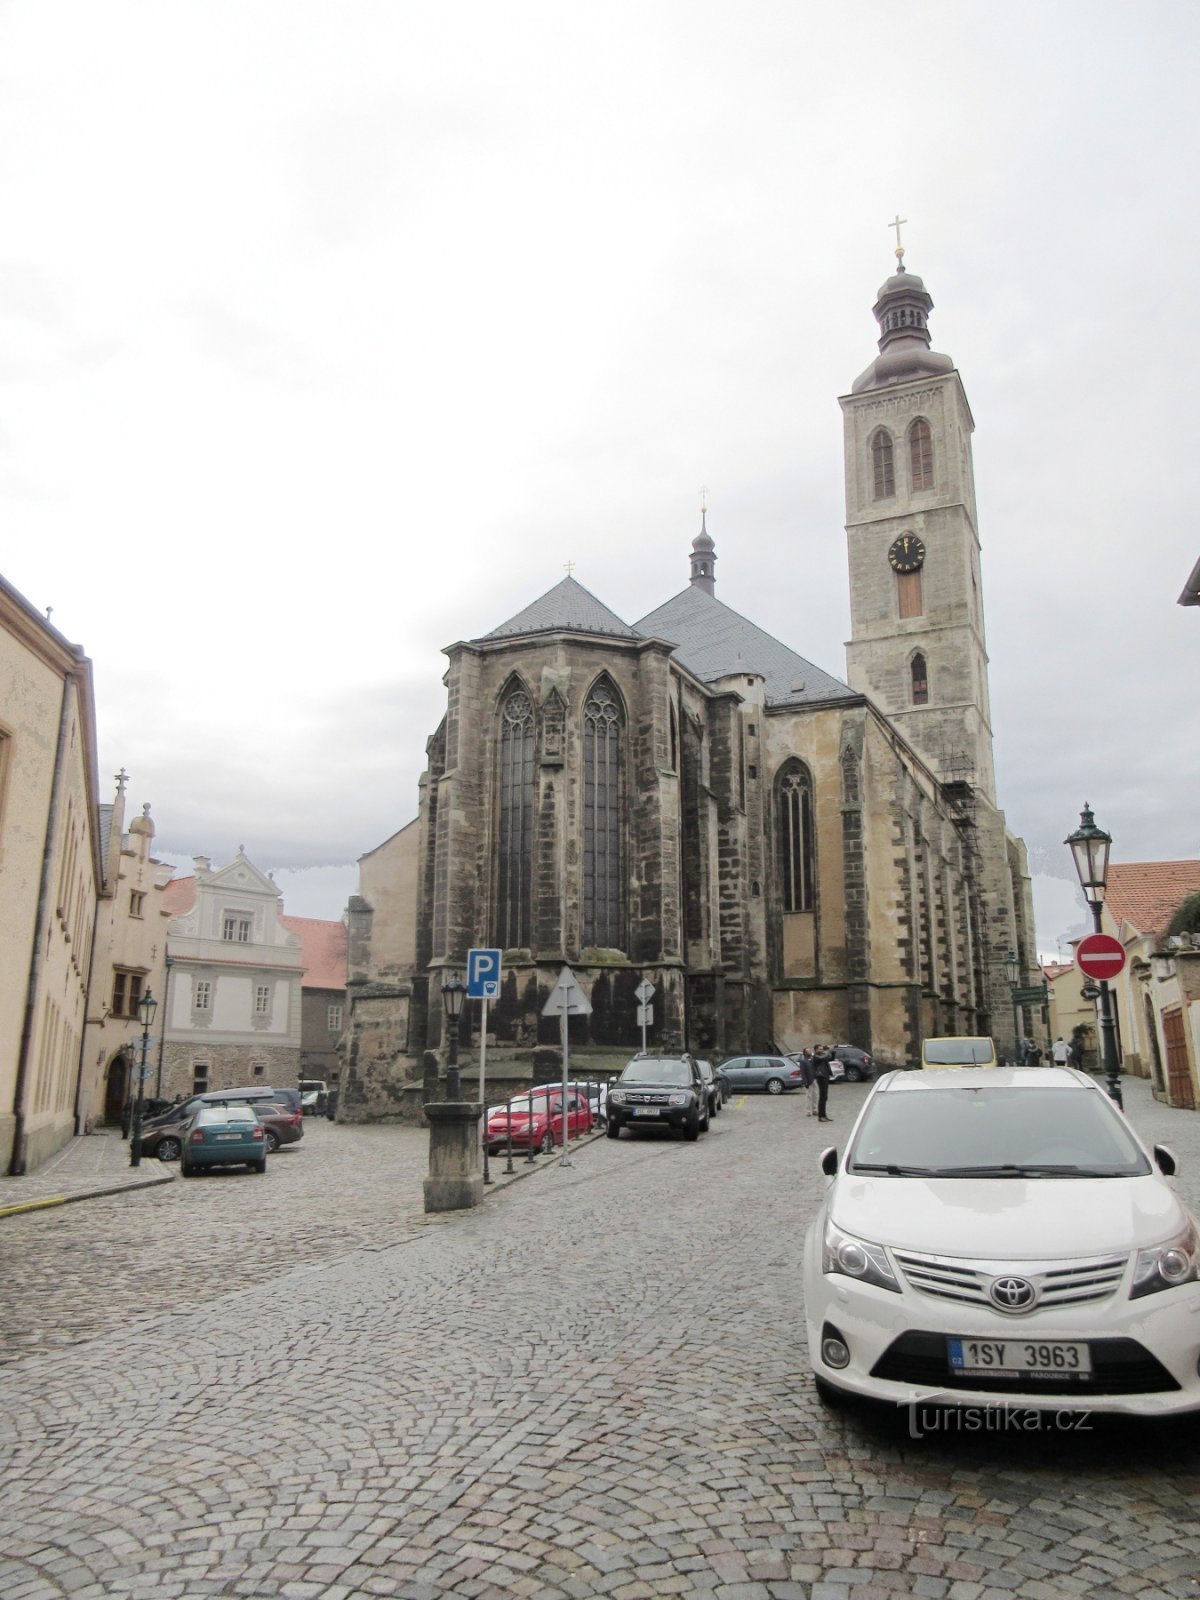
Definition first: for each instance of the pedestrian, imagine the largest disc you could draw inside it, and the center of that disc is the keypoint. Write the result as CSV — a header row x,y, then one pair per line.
x,y
1035,1054
1060,1052
821,1056
1075,1052
809,1080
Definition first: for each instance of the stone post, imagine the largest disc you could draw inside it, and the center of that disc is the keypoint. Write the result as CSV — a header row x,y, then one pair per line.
x,y
455,1180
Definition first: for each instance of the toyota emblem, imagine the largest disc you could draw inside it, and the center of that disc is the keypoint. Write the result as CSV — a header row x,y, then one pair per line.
x,y
1012,1294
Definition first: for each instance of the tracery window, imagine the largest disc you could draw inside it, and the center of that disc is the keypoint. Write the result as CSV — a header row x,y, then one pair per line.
x,y
920,681
794,808
602,900
516,821
882,465
920,454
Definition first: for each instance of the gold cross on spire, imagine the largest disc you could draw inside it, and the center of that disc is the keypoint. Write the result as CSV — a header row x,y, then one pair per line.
x,y
898,222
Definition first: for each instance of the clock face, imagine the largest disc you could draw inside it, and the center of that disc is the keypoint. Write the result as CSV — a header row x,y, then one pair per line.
x,y
906,553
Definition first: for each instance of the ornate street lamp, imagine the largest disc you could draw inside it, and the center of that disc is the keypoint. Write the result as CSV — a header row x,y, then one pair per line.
x,y
147,1006
453,994
1089,847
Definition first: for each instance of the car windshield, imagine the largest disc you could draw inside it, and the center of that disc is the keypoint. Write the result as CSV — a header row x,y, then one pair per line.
x,y
956,1052
656,1071
979,1131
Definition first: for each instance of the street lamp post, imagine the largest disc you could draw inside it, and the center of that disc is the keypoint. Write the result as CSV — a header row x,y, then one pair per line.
x,y
1012,971
147,1006
1089,847
453,994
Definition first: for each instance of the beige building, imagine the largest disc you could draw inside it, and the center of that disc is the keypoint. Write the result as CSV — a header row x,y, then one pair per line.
x,y
785,857
50,869
1069,1010
130,960
1157,996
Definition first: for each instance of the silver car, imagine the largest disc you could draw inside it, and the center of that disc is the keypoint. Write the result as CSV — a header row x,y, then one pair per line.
x,y
775,1074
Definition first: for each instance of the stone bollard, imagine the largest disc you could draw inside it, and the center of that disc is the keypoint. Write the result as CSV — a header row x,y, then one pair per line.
x,y
455,1179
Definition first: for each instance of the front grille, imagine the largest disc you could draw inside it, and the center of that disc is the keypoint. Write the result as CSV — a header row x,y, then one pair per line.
x,y
1119,1366
648,1097
1065,1283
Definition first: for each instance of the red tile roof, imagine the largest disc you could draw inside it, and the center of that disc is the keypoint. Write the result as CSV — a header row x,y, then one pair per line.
x,y
179,896
1055,969
1146,893
322,951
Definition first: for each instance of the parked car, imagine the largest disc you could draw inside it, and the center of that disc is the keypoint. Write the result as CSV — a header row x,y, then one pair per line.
x,y
164,1138
958,1050
775,1074
595,1092
659,1091
314,1095
223,1136
1001,1235
847,1062
536,1120
713,1087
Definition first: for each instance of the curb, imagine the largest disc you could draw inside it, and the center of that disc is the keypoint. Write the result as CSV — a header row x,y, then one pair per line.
x,y
48,1201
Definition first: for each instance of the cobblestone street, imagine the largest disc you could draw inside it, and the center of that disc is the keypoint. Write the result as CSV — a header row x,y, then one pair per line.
x,y
594,1384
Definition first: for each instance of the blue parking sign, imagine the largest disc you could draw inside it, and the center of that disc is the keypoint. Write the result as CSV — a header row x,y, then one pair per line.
x,y
483,974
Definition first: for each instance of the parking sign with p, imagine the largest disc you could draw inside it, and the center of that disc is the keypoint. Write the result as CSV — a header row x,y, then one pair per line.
x,y
483,974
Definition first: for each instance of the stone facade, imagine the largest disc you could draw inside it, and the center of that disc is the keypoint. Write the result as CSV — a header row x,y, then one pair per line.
x,y
788,859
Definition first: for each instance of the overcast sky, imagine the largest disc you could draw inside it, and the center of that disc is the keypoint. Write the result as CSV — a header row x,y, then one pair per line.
x,y
330,331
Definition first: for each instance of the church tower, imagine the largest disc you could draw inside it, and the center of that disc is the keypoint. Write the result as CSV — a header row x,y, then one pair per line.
x,y
917,644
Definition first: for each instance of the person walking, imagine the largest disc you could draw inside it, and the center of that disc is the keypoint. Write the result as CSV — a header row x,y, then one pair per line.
x,y
809,1080
1060,1052
821,1076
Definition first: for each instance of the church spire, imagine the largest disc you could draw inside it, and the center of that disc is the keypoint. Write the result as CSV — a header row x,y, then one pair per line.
x,y
704,555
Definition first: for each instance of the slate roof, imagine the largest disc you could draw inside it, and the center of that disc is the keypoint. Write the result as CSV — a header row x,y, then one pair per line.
x,y
322,951
1146,893
713,641
567,608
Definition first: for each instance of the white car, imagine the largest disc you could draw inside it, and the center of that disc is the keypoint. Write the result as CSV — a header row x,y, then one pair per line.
x,y
1000,1235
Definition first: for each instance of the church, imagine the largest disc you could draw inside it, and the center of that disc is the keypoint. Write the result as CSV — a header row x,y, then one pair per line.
x,y
787,857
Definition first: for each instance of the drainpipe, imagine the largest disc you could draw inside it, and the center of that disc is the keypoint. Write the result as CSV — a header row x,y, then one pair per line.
x,y
20,1092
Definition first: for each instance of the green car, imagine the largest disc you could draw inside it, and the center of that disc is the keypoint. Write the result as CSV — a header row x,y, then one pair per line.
x,y
223,1136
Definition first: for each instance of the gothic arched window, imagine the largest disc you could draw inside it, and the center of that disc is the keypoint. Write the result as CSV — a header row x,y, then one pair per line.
x,y
516,821
602,899
920,681
882,467
794,808
920,454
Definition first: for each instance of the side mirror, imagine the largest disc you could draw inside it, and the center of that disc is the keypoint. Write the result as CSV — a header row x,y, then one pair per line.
x,y
829,1161
1167,1163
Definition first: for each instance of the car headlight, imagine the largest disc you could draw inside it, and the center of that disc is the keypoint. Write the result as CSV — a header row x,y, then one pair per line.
x,y
856,1258
617,1096
1167,1265
679,1100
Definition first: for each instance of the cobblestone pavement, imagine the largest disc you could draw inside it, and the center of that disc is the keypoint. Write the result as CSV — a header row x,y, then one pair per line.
x,y
593,1385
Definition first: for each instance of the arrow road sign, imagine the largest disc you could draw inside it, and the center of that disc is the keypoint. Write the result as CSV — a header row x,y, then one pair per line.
x,y
567,998
1100,955
483,974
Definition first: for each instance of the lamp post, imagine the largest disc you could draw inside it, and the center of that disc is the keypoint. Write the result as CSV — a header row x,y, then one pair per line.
x,y
453,994
147,1006
1089,847
1012,971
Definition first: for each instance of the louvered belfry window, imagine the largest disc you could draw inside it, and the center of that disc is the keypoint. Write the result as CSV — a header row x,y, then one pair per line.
x,y
516,821
920,454
882,466
796,837
602,726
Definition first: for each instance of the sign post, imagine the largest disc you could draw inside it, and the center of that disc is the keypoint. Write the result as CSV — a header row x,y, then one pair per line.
x,y
483,984
645,1014
1101,957
566,999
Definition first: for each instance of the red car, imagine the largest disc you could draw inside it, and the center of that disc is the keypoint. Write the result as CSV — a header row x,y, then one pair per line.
x,y
536,1120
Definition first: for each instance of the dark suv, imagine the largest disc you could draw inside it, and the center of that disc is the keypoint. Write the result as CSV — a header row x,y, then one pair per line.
x,y
659,1092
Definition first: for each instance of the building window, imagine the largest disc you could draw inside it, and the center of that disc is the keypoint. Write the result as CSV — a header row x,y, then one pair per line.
x,y
910,601
200,1078
920,454
202,996
257,1068
882,467
516,820
136,901
262,1000
127,992
920,681
237,929
795,814
335,1019
602,908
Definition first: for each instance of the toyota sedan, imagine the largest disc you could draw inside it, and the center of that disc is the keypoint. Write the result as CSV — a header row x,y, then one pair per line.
x,y
1001,1235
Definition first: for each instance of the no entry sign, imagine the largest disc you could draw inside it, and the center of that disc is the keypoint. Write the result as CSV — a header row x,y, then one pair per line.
x,y
1100,955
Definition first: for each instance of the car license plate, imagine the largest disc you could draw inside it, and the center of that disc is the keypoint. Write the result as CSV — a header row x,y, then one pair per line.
x,y
645,1111
229,1136
1026,1358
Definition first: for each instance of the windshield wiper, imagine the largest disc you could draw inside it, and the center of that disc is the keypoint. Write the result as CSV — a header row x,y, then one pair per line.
x,y
896,1172
1024,1170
